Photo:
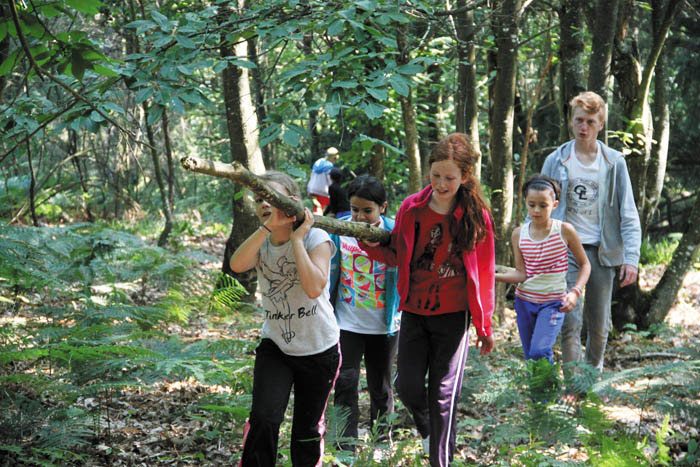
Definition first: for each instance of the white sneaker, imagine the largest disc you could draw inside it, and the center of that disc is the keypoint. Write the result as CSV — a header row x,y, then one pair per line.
x,y
426,445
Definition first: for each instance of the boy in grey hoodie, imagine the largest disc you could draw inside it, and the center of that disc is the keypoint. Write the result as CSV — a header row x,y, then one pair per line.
x,y
597,199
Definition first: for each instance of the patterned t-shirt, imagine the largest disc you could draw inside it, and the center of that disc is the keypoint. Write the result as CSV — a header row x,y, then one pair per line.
x,y
438,281
298,324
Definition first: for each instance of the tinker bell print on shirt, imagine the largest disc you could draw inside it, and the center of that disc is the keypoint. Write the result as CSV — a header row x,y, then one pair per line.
x,y
280,281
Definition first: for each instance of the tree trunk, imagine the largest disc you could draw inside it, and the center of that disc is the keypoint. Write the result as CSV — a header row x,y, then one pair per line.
x,y
242,127
376,131
73,149
659,146
664,294
408,115
631,305
32,187
163,239
506,17
158,174
603,28
467,108
635,83
268,154
570,58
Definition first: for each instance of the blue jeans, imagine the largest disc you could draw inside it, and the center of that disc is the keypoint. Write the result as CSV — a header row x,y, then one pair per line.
x,y
595,311
539,325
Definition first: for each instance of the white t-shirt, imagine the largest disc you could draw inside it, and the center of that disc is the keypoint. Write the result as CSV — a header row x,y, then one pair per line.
x,y
298,324
582,207
361,303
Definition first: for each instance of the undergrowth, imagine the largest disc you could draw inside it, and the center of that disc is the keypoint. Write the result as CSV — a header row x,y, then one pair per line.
x,y
88,313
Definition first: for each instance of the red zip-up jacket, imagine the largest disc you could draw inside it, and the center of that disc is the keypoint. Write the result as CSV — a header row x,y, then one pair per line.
x,y
480,264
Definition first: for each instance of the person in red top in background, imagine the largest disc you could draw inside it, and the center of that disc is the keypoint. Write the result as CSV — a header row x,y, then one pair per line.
x,y
443,246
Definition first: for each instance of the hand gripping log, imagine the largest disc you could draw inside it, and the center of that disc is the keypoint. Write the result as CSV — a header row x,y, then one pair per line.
x,y
238,173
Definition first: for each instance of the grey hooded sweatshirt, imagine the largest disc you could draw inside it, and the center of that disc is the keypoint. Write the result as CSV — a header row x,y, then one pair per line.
x,y
620,229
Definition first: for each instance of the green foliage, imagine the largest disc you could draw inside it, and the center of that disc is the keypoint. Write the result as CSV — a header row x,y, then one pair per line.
x,y
659,252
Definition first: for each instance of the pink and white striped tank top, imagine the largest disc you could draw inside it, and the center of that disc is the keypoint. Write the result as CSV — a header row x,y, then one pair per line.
x,y
546,263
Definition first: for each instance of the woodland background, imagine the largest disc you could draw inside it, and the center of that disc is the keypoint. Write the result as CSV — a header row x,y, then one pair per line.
x,y
120,340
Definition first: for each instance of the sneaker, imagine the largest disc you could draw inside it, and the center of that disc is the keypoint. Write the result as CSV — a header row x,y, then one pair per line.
x,y
426,445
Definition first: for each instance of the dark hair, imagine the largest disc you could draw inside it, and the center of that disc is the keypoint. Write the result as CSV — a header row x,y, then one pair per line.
x,y
369,188
336,174
287,182
540,182
471,229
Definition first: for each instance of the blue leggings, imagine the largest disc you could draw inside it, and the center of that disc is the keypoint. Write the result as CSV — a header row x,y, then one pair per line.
x,y
539,325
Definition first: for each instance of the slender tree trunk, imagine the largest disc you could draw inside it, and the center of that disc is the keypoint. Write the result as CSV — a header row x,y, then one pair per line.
x,y
32,187
571,50
506,17
242,126
158,174
313,114
659,148
73,149
467,108
268,154
170,201
376,131
408,115
603,30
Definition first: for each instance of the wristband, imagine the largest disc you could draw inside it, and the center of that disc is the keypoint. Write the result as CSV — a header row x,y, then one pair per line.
x,y
577,290
266,228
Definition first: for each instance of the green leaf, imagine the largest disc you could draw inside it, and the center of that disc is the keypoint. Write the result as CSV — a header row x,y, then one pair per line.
x,y
409,69
141,25
104,71
336,28
185,41
154,114
400,84
243,63
380,94
79,65
142,95
9,63
345,84
160,19
291,137
113,107
373,111
89,7
177,105
3,31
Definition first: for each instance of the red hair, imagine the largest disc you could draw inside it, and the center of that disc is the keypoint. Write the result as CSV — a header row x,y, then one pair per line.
x,y
471,228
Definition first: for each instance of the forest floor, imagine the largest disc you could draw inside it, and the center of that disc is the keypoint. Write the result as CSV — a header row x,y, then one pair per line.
x,y
155,425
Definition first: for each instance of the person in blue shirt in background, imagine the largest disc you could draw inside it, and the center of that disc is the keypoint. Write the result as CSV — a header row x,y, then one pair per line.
x,y
366,302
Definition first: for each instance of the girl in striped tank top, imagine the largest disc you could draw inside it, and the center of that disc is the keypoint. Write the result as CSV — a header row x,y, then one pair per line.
x,y
541,249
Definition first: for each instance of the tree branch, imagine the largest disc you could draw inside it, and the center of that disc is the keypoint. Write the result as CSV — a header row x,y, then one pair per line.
x,y
238,173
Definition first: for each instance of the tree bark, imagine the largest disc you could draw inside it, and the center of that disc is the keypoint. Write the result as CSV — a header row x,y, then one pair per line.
x,y
603,28
268,154
664,294
570,58
242,127
158,174
408,115
506,18
376,131
238,173
660,138
467,108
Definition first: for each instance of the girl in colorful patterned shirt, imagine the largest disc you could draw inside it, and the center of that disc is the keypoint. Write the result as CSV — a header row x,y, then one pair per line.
x,y
542,248
366,303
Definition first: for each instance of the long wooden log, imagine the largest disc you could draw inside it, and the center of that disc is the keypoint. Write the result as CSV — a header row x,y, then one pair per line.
x,y
238,173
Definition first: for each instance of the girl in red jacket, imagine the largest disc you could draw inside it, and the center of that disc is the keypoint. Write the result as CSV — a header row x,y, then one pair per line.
x,y
443,246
